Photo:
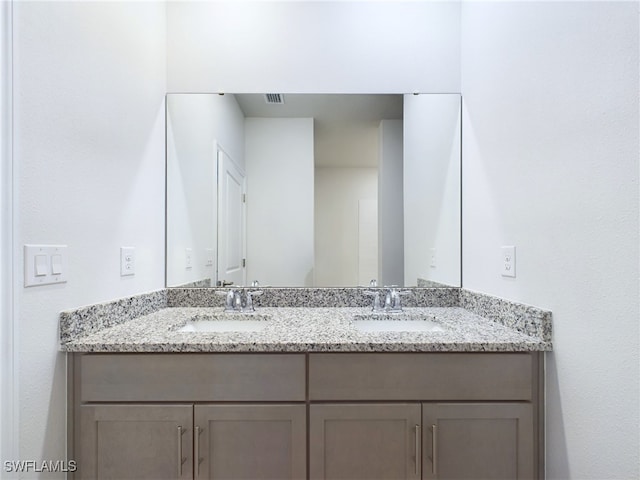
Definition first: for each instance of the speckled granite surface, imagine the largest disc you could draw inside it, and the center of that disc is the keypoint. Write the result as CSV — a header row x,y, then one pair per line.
x,y
315,297
305,320
93,318
299,329
523,318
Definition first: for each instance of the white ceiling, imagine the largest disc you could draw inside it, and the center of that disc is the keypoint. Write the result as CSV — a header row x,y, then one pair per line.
x,y
345,125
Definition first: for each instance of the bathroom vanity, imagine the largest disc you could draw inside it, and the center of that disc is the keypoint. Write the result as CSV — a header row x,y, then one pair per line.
x,y
308,396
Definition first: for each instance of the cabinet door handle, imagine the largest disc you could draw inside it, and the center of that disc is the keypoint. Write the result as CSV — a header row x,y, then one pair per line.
x,y
434,449
197,450
181,459
417,433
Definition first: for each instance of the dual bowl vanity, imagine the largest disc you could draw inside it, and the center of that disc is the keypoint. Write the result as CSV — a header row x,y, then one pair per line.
x,y
313,384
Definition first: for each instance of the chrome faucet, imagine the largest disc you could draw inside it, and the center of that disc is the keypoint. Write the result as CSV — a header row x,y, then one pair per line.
x,y
392,300
233,300
392,303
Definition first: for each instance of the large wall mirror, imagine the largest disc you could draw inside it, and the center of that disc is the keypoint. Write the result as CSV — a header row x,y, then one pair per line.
x,y
309,190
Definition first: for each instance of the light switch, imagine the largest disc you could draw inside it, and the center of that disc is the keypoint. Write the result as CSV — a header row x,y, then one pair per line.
x,y
56,264
41,265
45,264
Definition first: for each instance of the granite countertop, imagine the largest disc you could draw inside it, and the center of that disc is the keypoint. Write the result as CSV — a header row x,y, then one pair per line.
x,y
304,329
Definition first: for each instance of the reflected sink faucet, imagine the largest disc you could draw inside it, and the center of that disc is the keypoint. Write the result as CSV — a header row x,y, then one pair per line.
x,y
233,300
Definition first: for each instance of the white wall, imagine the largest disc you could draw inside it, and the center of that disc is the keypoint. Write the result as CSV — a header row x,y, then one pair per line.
x,y
314,47
8,404
89,153
551,148
432,188
551,166
279,168
195,124
338,191
390,205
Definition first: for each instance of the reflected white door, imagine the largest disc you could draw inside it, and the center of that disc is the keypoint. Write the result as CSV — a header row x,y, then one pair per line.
x,y
231,222
367,240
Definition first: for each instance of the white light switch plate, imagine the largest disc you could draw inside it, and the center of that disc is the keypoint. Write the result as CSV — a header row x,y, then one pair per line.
x,y
45,265
509,261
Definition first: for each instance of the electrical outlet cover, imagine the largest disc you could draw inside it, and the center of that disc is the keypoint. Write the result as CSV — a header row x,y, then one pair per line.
x,y
508,261
127,261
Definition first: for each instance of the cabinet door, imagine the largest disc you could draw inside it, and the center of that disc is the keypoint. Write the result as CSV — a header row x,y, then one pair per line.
x,y
367,442
488,441
135,442
250,442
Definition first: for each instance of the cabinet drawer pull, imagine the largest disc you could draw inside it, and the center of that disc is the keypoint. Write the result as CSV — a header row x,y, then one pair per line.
x,y
197,450
181,459
417,433
434,449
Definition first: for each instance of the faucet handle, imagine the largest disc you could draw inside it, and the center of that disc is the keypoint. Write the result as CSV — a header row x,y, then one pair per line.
x,y
396,304
376,299
232,299
248,305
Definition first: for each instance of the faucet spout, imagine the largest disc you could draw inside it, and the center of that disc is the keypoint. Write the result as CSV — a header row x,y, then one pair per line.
x,y
392,301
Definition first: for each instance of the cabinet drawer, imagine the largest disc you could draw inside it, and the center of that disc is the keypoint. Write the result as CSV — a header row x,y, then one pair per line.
x,y
190,377
421,376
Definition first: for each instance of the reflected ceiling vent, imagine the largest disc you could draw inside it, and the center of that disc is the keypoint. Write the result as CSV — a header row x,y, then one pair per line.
x,y
274,98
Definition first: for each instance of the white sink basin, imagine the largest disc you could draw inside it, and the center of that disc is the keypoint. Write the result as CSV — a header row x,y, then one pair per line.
x,y
379,323
226,323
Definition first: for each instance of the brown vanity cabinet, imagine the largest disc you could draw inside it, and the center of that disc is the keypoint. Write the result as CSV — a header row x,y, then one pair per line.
x,y
484,408
135,441
164,441
213,416
322,416
251,441
400,441
478,440
364,441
